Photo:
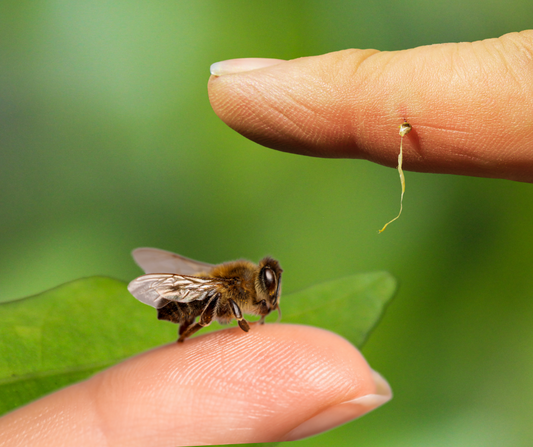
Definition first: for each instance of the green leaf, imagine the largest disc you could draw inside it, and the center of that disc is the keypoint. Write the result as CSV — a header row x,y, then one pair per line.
x,y
66,334
350,306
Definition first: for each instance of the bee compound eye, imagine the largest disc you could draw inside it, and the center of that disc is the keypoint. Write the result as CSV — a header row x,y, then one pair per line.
x,y
270,279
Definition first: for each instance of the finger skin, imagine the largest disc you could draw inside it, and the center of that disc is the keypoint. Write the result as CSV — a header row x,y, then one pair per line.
x,y
470,105
224,387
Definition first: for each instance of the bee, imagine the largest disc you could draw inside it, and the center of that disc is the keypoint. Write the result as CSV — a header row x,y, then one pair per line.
x,y
182,289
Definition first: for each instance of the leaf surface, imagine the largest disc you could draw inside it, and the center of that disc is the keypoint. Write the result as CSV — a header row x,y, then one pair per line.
x,y
350,306
66,334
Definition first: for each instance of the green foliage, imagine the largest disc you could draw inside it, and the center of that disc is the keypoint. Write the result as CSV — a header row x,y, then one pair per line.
x,y
350,306
68,333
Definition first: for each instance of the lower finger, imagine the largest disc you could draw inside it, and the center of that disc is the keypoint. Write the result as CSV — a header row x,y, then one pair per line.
x,y
277,382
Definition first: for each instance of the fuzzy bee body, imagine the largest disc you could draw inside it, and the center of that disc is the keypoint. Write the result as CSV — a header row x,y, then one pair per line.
x,y
190,289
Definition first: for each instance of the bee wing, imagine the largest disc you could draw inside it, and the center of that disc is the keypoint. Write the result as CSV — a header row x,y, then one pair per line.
x,y
153,260
158,289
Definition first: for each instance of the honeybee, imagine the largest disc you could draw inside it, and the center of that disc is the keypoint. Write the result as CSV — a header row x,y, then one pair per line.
x,y
182,289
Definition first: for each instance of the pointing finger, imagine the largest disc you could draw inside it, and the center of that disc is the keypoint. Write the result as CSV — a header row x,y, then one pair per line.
x,y
469,104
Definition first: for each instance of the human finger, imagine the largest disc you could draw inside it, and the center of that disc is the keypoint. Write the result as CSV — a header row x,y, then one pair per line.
x,y
276,382
469,104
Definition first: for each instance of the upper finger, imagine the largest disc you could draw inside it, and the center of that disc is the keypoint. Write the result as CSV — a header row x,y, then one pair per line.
x,y
469,104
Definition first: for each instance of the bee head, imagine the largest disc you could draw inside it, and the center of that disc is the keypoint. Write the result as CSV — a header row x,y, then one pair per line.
x,y
268,283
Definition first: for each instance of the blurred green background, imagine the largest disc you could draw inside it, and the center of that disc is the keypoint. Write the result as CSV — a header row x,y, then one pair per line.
x,y
108,142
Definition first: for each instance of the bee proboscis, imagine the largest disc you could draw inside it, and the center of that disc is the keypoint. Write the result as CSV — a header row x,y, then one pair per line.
x,y
182,289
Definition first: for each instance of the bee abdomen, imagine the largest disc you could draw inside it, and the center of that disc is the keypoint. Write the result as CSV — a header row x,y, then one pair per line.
x,y
180,312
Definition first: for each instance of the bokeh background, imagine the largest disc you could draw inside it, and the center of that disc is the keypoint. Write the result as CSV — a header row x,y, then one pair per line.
x,y
108,142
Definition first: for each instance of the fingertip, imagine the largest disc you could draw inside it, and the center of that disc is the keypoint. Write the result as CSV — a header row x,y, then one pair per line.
x,y
234,66
219,388
311,106
235,387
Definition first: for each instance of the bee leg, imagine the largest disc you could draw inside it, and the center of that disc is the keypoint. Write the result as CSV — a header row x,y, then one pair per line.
x,y
184,325
190,330
264,312
205,319
243,324
237,313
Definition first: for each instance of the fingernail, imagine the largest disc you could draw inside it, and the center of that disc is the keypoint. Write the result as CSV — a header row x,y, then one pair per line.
x,y
343,412
233,66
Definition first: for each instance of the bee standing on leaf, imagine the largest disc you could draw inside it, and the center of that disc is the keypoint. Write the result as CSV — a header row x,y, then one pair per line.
x,y
182,289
